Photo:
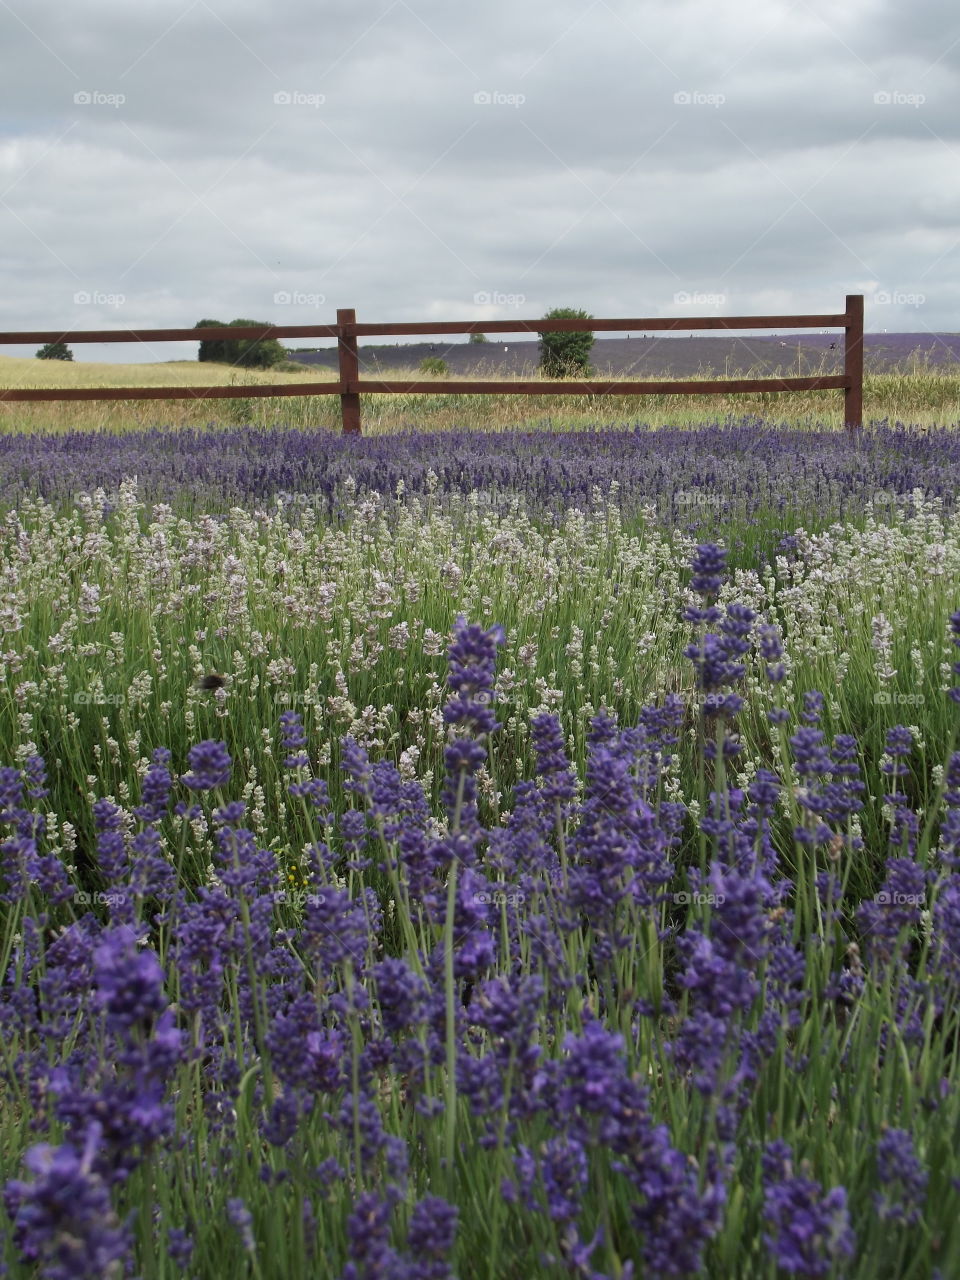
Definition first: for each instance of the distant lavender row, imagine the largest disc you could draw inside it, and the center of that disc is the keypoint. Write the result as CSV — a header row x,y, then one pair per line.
x,y
733,468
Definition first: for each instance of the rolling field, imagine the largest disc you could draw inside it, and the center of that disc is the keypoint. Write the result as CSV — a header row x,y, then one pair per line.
x,y
501,854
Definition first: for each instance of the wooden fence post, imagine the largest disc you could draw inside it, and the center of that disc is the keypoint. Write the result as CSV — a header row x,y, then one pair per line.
x,y
853,362
349,371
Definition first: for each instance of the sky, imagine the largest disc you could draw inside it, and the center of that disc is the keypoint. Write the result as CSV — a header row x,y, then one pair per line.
x,y
165,161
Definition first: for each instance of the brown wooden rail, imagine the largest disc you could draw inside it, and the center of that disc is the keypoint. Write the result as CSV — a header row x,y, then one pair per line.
x,y
351,386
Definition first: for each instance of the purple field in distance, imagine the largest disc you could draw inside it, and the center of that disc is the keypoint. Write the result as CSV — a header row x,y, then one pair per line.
x,y
680,355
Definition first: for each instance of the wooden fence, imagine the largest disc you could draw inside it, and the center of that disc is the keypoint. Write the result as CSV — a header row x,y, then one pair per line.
x,y
350,386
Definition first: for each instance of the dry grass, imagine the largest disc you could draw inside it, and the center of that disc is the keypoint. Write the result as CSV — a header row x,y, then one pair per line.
x,y
925,397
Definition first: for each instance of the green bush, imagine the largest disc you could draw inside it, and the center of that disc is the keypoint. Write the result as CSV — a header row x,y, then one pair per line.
x,y
566,355
245,353
434,364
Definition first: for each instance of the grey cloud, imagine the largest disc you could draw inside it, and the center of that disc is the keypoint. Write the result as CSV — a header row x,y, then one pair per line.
x,y
619,153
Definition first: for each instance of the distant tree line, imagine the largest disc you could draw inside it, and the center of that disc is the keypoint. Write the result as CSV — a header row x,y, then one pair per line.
x,y
562,355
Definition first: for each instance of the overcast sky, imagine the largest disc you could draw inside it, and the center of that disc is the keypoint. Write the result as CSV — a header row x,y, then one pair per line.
x,y
167,160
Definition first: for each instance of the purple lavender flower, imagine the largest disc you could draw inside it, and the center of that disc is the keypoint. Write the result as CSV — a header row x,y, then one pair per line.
x,y
955,641
811,1230
899,744
111,845
179,1247
812,707
902,1176
709,565
400,993
129,982
430,1238
155,789
210,766
949,850
771,651
944,960
564,1171
558,779
368,1239
894,910
35,776
471,662
294,740
240,1218
335,927
63,1221
714,662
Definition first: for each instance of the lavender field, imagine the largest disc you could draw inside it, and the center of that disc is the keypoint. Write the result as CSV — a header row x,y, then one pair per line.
x,y
516,855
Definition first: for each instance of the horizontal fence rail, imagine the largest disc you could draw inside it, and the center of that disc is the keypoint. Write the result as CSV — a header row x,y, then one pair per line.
x,y
350,386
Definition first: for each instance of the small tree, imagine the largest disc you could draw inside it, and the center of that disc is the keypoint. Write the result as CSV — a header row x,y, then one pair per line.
x,y
214,349
256,353
478,338
434,364
55,351
246,353
566,355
